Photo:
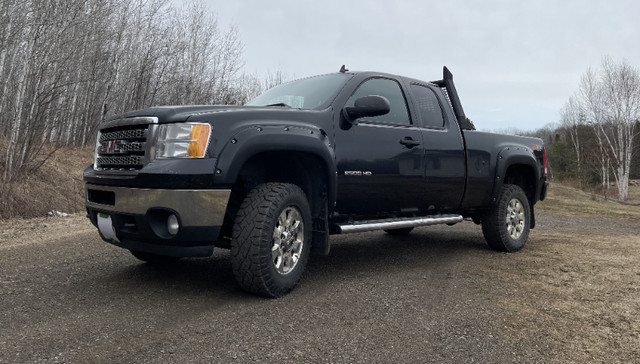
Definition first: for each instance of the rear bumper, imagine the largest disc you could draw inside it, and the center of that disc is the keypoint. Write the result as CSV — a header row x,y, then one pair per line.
x,y
139,218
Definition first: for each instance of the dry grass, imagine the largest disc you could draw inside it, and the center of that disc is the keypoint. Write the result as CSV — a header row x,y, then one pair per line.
x,y
570,201
634,191
56,185
576,286
580,292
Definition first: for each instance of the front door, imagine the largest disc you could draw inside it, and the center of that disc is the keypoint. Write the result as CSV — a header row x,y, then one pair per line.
x,y
380,160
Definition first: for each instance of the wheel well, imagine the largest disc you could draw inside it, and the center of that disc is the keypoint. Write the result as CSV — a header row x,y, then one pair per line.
x,y
523,176
302,169
305,170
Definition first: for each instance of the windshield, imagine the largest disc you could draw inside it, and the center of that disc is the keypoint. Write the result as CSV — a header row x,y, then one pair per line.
x,y
307,93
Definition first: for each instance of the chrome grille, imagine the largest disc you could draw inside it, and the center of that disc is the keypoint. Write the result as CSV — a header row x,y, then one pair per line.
x,y
128,161
122,148
124,134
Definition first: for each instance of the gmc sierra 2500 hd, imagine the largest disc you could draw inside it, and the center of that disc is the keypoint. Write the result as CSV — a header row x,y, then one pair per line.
x,y
331,154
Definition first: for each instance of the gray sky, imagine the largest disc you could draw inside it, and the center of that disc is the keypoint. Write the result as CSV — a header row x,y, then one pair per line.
x,y
515,63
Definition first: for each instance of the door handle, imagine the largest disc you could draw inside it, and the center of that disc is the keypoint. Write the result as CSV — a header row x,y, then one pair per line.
x,y
409,142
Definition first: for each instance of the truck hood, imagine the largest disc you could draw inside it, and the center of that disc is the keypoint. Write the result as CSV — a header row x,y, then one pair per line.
x,y
220,113
172,114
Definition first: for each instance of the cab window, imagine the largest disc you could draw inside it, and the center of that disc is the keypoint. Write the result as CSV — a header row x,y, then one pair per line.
x,y
389,89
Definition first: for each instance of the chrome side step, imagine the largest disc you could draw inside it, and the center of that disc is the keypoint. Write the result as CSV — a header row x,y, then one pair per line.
x,y
386,224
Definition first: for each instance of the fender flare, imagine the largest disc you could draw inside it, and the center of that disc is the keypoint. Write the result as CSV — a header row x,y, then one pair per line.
x,y
257,139
508,157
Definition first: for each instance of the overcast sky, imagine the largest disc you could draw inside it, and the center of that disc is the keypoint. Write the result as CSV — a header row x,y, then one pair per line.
x,y
515,62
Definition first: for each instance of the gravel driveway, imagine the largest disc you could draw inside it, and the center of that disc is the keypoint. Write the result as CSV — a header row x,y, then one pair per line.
x,y
437,295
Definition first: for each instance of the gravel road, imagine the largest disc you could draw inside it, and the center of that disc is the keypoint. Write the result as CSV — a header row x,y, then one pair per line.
x,y
438,295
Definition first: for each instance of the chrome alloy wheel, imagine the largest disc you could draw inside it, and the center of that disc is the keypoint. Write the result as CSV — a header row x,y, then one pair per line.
x,y
288,240
515,218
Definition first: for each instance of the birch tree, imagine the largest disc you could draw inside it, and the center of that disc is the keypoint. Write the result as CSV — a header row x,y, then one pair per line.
x,y
610,97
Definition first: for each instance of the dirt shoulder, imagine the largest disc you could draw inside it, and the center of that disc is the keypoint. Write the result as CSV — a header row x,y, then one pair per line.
x,y
21,232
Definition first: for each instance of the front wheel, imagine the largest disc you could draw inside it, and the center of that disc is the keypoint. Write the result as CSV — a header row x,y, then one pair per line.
x,y
271,239
506,225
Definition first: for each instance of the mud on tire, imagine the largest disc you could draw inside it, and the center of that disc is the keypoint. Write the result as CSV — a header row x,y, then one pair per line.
x,y
271,239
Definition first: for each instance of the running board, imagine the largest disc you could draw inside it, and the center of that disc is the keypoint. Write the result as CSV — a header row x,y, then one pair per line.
x,y
388,224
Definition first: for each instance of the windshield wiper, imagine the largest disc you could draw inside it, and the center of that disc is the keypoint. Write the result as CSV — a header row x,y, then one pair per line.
x,y
278,104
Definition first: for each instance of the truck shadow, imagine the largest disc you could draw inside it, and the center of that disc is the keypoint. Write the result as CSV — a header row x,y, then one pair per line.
x,y
362,253
424,246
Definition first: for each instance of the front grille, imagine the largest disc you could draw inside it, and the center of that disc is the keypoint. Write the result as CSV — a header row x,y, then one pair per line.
x,y
122,148
124,134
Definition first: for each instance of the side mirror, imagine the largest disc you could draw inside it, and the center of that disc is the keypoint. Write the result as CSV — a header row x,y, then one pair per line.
x,y
372,105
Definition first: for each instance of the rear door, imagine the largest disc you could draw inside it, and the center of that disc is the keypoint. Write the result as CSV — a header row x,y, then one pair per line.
x,y
380,160
444,156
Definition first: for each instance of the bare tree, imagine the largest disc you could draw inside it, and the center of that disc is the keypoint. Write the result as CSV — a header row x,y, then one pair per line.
x,y
67,64
572,118
610,99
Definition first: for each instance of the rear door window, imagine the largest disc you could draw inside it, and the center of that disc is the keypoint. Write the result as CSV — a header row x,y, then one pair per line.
x,y
427,107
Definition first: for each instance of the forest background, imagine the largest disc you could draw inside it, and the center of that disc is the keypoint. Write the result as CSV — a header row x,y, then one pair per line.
x,y
65,65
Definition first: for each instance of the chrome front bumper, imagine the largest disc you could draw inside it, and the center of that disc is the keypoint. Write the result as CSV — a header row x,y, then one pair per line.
x,y
136,218
194,207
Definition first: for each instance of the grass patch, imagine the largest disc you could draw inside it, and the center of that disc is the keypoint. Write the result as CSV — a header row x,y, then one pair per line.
x,y
56,185
570,201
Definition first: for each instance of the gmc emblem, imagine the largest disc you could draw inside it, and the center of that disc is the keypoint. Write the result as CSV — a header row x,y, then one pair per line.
x,y
111,146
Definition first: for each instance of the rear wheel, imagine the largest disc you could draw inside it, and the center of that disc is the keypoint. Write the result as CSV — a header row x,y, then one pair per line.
x,y
271,239
506,226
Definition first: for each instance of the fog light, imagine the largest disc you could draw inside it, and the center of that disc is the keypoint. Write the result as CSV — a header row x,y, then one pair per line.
x,y
172,224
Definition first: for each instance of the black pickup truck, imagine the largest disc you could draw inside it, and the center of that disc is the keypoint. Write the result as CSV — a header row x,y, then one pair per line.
x,y
332,154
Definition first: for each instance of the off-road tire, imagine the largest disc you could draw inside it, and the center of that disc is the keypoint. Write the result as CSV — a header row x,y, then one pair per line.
x,y
506,226
254,242
154,258
400,231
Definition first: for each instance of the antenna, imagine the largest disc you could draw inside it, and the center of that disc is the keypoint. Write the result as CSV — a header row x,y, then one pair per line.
x,y
343,69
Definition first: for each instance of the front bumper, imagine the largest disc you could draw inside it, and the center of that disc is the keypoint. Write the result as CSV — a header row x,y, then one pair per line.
x,y
139,218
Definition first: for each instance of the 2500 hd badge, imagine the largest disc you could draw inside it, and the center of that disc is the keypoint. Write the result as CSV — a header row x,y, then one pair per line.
x,y
358,173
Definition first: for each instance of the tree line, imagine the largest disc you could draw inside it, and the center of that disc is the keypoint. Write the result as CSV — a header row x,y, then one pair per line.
x,y
65,65
597,141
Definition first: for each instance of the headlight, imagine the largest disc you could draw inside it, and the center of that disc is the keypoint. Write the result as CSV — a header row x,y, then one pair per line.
x,y
185,140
